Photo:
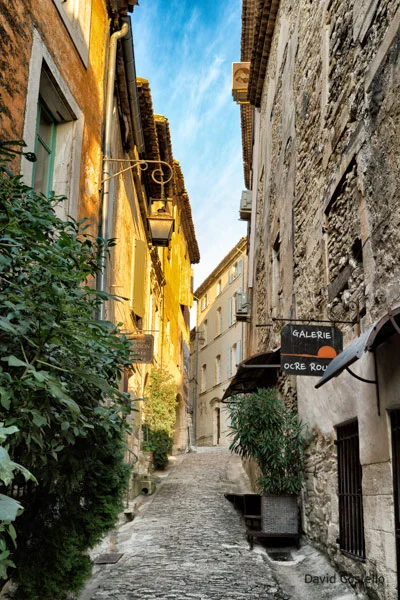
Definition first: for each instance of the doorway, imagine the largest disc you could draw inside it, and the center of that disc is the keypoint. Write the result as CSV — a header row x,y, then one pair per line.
x,y
218,418
395,426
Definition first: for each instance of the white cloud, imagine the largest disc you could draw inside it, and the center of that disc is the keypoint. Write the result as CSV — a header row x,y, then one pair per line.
x,y
186,53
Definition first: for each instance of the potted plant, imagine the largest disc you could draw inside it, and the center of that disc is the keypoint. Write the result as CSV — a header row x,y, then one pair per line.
x,y
264,429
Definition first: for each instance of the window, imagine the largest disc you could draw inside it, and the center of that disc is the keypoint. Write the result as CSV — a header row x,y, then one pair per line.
x,y
344,247
232,307
203,379
204,332
233,352
229,363
219,287
236,270
238,352
218,325
276,273
217,369
139,278
76,15
53,128
351,519
204,302
230,311
44,149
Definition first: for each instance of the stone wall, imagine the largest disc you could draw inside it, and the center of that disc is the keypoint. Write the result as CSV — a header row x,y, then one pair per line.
x,y
23,21
320,506
328,179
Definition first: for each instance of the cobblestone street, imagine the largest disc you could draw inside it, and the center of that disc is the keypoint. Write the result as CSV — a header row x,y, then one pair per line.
x,y
188,542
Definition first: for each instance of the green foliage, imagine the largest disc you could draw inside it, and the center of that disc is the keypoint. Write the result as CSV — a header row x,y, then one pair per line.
x,y
160,416
9,507
160,443
161,403
266,430
60,370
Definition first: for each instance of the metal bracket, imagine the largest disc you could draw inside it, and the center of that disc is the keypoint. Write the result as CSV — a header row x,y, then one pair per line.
x,y
306,321
360,378
143,165
374,381
260,366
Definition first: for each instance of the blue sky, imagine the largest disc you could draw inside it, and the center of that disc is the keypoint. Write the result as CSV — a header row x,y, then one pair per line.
x,y
185,48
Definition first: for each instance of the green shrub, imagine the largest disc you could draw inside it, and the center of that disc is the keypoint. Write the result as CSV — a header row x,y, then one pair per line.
x,y
161,445
266,430
160,416
60,371
161,403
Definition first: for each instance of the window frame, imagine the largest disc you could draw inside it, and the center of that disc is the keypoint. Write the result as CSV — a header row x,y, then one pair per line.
x,y
78,25
203,378
42,108
218,322
218,369
69,139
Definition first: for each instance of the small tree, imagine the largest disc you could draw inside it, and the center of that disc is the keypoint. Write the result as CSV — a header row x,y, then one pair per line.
x,y
60,370
160,415
266,430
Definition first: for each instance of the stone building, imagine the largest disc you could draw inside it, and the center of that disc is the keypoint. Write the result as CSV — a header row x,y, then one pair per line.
x,y
68,88
53,62
320,118
218,343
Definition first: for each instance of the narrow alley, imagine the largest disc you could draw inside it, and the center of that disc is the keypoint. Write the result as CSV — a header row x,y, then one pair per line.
x,y
188,542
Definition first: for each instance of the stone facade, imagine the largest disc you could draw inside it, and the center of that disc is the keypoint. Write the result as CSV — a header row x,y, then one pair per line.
x,y
325,181
218,345
43,38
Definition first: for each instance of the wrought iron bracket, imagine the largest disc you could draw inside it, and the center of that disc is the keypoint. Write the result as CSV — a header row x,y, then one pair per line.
x,y
373,381
143,165
360,378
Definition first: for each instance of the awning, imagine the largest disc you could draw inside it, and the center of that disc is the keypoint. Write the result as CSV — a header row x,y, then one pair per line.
x,y
257,371
379,333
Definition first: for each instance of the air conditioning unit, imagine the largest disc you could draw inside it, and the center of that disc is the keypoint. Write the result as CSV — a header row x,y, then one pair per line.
x,y
242,309
245,205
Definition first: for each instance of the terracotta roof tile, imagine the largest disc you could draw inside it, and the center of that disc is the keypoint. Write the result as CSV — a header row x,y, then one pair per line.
x,y
249,10
246,120
158,146
186,214
152,150
265,18
165,147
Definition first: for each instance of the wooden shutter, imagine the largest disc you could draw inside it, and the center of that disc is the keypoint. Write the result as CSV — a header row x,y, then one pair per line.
x,y
139,277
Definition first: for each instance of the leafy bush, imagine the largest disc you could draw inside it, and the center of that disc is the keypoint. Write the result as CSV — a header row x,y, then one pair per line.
x,y
9,507
161,445
59,386
160,416
161,403
266,430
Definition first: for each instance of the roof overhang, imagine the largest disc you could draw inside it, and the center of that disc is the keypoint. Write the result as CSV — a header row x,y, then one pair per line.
x,y
257,371
376,335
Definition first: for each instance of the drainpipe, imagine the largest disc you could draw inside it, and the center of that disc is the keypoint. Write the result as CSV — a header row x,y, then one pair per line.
x,y
117,35
127,46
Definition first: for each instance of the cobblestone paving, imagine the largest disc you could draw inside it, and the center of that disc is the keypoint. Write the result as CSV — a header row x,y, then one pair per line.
x,y
189,543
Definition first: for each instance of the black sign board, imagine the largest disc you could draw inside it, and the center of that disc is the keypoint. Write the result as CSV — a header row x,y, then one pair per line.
x,y
308,349
143,348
